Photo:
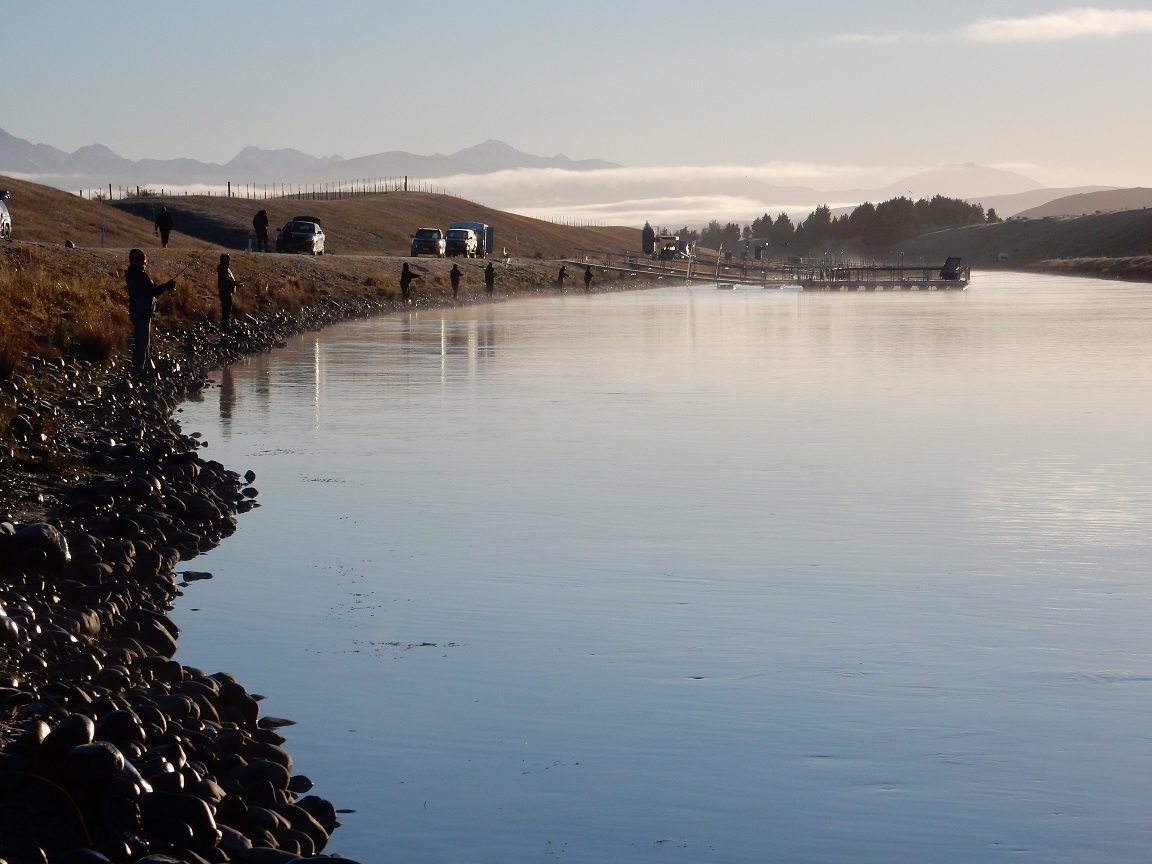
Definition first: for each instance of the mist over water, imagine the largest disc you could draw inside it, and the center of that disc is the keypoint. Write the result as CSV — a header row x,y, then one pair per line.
x,y
697,575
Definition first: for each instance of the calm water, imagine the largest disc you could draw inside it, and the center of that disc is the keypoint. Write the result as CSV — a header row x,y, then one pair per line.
x,y
697,575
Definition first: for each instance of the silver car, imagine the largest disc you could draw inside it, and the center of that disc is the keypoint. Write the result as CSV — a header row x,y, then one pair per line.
x,y
5,217
302,234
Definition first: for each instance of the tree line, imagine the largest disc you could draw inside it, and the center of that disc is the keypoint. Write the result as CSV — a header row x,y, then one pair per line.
x,y
873,225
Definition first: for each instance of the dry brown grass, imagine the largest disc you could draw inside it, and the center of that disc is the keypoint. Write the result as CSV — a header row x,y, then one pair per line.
x,y
1026,243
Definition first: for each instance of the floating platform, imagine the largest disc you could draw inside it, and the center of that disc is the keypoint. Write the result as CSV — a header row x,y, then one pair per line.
x,y
953,276
796,275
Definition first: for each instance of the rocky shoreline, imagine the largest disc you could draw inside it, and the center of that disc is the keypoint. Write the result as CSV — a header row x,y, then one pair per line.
x,y
110,749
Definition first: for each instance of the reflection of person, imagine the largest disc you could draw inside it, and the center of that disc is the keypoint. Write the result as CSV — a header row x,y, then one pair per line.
x,y
226,283
588,277
260,224
142,294
489,278
162,225
454,275
227,399
406,279
561,276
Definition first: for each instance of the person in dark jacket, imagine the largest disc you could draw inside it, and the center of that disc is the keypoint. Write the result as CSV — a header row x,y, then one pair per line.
x,y
163,225
454,274
260,224
588,277
561,276
142,294
226,283
407,277
489,278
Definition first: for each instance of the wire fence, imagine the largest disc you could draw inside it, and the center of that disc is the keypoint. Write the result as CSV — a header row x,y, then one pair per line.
x,y
306,192
271,191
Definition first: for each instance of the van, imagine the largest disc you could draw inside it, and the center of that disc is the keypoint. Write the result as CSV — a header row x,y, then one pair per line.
x,y
5,217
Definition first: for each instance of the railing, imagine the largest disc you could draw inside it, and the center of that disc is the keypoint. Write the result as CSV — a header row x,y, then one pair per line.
x,y
712,266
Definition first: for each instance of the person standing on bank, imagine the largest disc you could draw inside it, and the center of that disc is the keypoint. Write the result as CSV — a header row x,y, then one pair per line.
x,y
407,277
588,277
489,278
226,283
163,225
142,294
260,225
561,276
454,275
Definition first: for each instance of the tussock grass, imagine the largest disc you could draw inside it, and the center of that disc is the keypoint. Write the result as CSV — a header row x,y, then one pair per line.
x,y
11,351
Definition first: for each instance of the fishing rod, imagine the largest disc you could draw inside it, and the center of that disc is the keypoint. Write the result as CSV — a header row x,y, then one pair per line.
x,y
196,258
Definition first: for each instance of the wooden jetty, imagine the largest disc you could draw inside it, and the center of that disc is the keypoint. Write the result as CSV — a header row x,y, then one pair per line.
x,y
805,274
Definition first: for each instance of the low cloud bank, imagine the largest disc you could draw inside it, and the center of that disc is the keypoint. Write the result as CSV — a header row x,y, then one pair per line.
x,y
1081,23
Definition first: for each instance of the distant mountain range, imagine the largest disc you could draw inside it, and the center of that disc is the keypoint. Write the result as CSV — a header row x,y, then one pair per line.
x,y
96,165
503,177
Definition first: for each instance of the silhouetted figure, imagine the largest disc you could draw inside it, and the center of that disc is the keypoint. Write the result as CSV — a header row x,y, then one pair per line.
x,y
454,274
489,278
406,279
163,225
260,224
588,277
226,283
561,276
142,294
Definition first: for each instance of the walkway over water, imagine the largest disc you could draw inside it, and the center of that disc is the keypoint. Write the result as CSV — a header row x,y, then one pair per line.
x,y
808,274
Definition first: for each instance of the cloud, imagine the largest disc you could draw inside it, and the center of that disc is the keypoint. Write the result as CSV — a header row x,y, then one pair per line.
x,y
1087,23
1082,23
681,194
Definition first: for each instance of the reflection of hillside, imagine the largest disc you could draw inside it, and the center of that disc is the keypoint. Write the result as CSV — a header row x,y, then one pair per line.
x,y
374,355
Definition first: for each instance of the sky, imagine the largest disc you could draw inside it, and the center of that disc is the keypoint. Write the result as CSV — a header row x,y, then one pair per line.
x,y
827,93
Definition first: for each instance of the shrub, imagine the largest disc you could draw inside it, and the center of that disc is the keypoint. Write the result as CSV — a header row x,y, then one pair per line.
x,y
11,352
98,338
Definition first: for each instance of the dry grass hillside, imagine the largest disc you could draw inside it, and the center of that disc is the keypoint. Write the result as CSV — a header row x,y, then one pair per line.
x,y
1029,242
379,224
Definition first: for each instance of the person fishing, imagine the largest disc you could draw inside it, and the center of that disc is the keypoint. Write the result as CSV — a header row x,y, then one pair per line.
x,y
561,276
407,277
162,225
489,278
226,283
142,294
588,277
454,274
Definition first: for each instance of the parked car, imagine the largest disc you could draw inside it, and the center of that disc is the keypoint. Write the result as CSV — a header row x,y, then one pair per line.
x,y
460,241
428,241
5,217
302,234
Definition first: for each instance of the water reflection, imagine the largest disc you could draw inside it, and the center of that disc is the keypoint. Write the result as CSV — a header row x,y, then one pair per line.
x,y
733,576
227,401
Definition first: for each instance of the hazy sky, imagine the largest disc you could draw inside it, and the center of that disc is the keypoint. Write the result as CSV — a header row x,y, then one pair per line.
x,y
822,92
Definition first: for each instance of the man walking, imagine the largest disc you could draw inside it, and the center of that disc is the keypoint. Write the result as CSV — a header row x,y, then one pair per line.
x,y
260,225
163,226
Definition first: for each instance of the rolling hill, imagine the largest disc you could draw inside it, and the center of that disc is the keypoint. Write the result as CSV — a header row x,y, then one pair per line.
x,y
1082,204
379,224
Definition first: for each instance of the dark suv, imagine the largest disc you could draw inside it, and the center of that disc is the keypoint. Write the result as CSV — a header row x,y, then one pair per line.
x,y
428,241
